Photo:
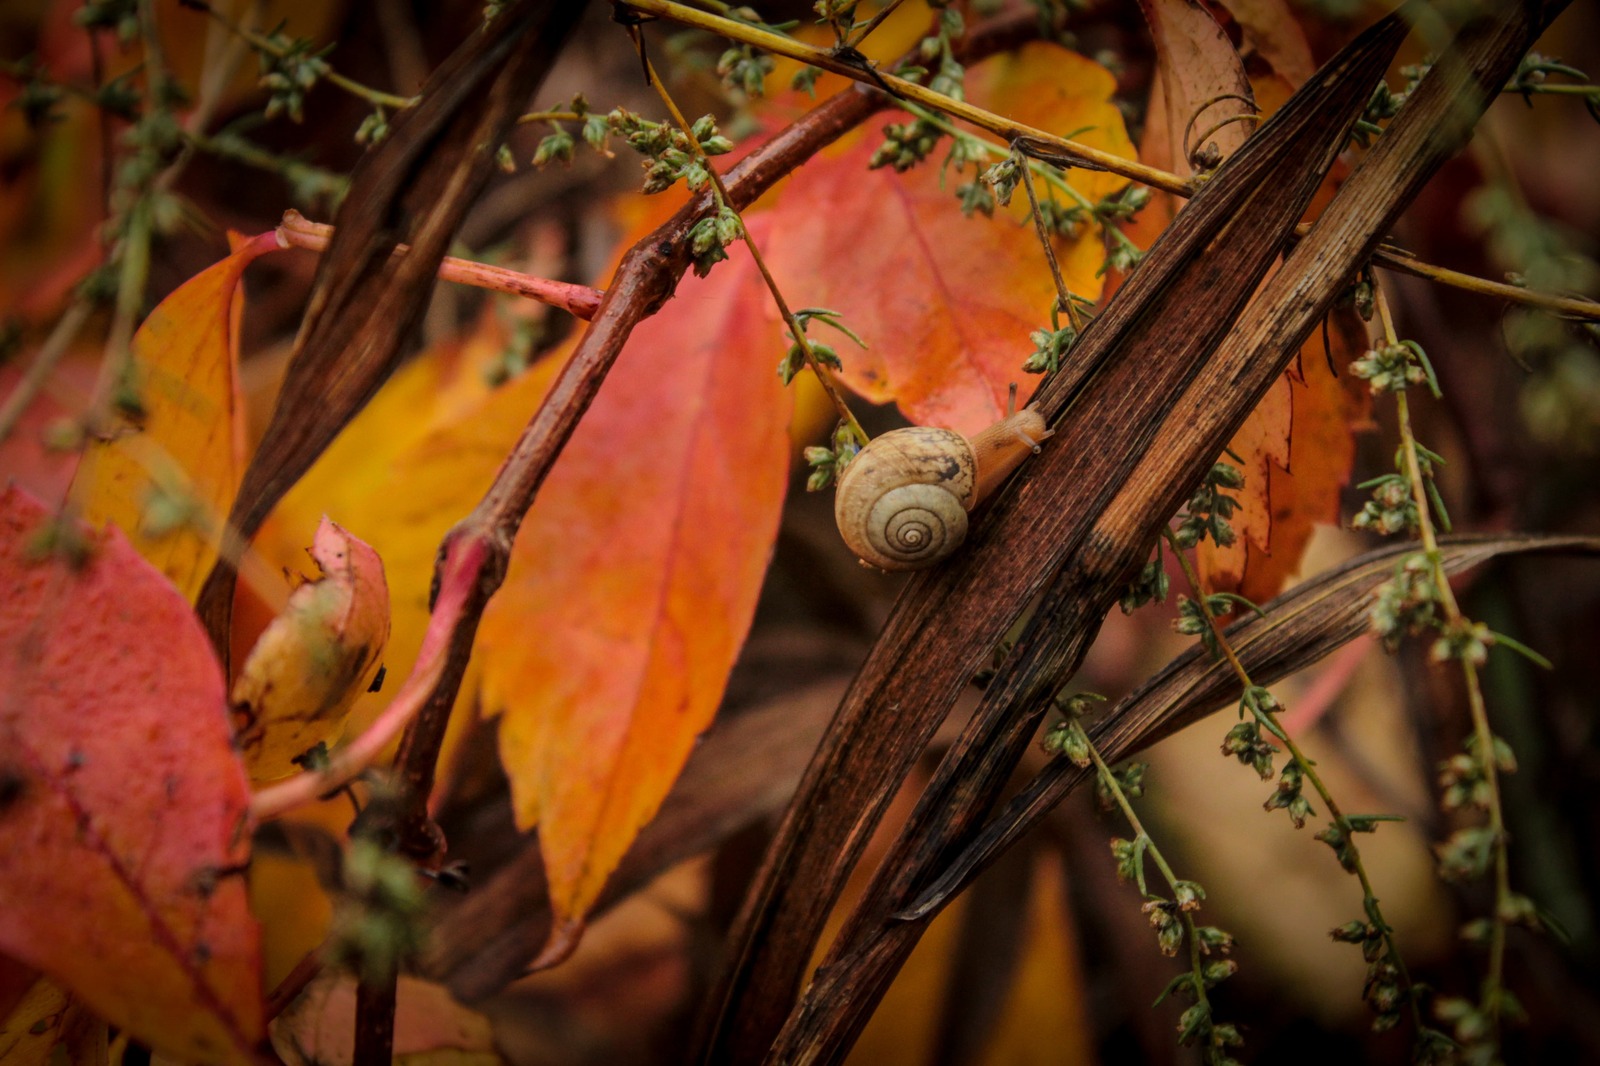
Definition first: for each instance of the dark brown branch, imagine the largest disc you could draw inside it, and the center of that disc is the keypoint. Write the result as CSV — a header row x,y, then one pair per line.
x,y
375,1021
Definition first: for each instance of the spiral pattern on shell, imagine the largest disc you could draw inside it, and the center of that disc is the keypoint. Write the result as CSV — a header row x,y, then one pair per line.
x,y
915,526
902,502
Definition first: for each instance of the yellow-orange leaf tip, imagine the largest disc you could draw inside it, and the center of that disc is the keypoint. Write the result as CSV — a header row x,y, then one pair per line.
x,y
314,659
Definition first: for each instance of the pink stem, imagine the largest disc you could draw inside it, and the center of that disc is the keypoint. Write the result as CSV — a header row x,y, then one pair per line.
x,y
296,231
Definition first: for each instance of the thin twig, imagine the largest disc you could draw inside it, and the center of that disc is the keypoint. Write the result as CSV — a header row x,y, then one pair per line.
x,y
1063,294
1404,262
1483,734
1185,914
295,982
855,39
1072,153
375,97
582,301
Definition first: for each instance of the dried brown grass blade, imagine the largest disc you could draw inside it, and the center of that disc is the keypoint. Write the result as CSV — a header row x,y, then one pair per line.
x,y
1131,367
1295,630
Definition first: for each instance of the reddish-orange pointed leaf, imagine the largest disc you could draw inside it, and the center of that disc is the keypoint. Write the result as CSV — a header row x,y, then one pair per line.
x,y
945,303
168,478
315,659
635,576
123,828
1294,474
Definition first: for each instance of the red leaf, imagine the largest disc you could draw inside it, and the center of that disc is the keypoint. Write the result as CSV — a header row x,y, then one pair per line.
x,y
123,828
944,303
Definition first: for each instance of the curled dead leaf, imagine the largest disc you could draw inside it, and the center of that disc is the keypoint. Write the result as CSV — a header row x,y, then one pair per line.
x,y
315,659
430,1028
51,1018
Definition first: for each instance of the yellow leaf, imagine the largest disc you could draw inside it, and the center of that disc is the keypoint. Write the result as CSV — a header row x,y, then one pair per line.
x,y
166,477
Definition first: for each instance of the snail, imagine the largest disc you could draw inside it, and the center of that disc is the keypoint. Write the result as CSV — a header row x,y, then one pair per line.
x,y
902,502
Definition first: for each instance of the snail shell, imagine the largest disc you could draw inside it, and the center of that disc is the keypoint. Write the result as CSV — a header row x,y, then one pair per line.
x,y
902,503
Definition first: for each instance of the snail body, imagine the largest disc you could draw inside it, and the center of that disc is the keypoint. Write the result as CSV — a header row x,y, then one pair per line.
x,y
902,503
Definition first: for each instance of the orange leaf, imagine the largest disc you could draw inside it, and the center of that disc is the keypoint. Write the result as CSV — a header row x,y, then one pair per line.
x,y
1294,474
1196,64
168,480
945,303
123,826
315,658
635,576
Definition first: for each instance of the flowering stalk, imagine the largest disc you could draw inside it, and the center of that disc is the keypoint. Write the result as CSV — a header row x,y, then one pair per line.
x,y
1388,983
1173,919
1420,598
